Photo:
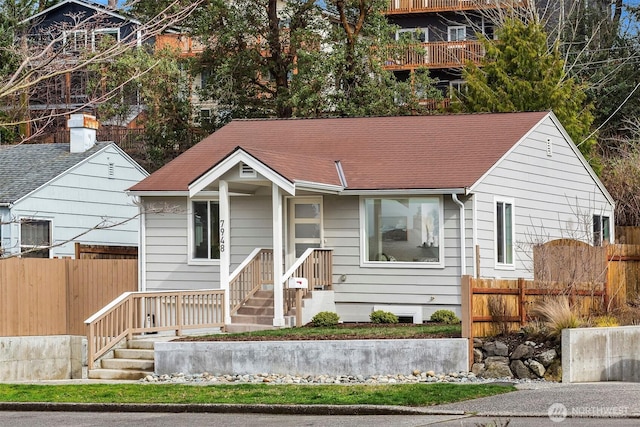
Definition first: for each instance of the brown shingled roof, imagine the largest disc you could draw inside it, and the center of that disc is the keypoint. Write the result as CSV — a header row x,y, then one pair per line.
x,y
376,153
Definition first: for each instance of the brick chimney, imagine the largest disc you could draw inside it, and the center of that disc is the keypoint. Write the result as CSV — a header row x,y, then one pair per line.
x,y
82,128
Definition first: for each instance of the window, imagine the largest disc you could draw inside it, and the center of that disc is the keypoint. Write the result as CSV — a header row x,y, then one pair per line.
x,y
504,233
600,230
35,238
457,33
412,34
75,41
403,230
105,38
206,232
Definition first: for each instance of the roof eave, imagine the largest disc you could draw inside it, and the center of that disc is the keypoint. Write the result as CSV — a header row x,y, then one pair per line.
x,y
405,191
318,187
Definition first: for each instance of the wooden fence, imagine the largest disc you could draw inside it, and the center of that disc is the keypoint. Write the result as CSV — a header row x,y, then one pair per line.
x,y
55,296
105,252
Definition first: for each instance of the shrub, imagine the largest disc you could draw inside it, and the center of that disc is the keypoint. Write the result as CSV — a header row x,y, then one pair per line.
x,y
556,315
381,316
605,321
445,316
325,318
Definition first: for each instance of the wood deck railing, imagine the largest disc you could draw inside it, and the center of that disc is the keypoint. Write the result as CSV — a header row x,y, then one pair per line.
x,y
248,278
316,265
143,312
435,55
426,6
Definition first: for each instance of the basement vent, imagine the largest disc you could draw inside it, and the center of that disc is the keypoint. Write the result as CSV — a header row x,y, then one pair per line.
x,y
247,171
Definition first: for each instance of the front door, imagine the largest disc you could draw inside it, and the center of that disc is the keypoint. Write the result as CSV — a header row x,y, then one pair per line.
x,y
305,225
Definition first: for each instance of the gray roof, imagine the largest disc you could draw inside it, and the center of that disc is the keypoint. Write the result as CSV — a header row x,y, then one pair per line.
x,y
26,167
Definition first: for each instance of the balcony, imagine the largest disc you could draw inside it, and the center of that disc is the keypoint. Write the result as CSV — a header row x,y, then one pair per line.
x,y
187,46
401,7
435,55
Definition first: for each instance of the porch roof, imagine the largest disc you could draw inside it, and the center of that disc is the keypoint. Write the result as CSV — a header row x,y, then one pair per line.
x,y
375,153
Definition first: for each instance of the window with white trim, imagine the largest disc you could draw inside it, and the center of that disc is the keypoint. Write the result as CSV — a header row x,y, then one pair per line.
x,y
601,231
504,232
456,33
35,238
407,229
412,34
104,37
205,230
75,41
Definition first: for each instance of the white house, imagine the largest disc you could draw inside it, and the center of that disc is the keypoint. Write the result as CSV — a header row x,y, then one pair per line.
x,y
53,195
406,206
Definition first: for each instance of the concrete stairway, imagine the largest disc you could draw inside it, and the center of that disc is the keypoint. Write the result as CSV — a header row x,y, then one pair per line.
x,y
131,363
255,314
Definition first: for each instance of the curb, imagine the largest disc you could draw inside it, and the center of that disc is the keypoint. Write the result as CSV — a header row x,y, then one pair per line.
x,y
224,408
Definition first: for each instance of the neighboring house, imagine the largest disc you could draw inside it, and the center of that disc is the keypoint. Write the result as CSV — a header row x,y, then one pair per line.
x,y
407,204
53,195
446,34
75,27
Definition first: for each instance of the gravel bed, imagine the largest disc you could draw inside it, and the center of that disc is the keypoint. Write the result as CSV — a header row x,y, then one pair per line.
x,y
266,378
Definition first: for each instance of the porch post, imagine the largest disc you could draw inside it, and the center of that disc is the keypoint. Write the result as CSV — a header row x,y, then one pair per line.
x,y
225,240
278,315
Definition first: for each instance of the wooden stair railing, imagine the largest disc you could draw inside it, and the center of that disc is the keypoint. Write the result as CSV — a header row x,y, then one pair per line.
x,y
256,270
315,265
145,312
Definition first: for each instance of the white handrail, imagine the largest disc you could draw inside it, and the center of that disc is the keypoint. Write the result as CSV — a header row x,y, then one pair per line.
x,y
108,307
306,254
244,263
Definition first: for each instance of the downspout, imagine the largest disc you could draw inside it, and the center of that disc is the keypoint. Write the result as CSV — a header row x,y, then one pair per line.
x,y
463,254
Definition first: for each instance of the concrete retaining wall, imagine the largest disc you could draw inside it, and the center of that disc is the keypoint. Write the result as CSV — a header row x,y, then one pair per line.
x,y
355,357
36,358
601,354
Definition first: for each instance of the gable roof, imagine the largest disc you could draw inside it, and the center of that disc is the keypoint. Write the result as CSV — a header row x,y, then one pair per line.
x,y
374,153
26,167
99,8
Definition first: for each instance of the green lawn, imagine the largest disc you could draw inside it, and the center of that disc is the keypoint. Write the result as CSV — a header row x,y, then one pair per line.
x,y
346,331
397,394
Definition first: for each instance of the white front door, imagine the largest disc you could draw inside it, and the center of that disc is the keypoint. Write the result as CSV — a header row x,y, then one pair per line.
x,y
305,225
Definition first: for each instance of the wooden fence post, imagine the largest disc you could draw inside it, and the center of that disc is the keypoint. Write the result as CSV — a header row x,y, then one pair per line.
x,y
466,292
521,302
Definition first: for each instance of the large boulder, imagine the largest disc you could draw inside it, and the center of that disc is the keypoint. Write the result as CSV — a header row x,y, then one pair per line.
x,y
546,357
523,351
536,367
520,370
496,367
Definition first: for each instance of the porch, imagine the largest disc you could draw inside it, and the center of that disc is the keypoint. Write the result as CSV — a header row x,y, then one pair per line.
x,y
435,55
142,313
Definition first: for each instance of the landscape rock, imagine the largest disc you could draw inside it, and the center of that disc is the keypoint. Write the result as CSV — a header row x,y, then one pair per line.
x,y
477,355
477,368
546,357
477,343
496,359
536,367
523,351
520,370
501,349
496,370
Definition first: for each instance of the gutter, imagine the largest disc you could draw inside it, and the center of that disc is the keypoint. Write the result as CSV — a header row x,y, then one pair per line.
x,y
463,254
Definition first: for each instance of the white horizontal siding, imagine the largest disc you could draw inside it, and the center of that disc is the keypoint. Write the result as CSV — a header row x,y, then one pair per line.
x,y
166,243
554,197
82,199
365,287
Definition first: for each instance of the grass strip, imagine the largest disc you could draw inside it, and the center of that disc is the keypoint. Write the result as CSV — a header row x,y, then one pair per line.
x,y
396,394
311,333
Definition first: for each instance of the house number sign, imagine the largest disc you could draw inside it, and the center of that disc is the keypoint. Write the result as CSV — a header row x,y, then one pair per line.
x,y
222,235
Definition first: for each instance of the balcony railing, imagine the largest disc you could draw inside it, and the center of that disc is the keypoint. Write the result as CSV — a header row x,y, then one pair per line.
x,y
426,6
435,55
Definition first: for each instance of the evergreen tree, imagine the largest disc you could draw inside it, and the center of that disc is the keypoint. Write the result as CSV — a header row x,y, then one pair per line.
x,y
520,73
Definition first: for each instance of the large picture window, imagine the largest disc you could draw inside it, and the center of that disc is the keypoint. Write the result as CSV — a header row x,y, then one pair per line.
x,y
504,233
206,234
403,229
35,238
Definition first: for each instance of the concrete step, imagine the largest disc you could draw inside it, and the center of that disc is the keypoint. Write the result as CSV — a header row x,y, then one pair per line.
x,y
249,318
128,364
259,311
117,374
141,344
246,327
263,294
133,353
